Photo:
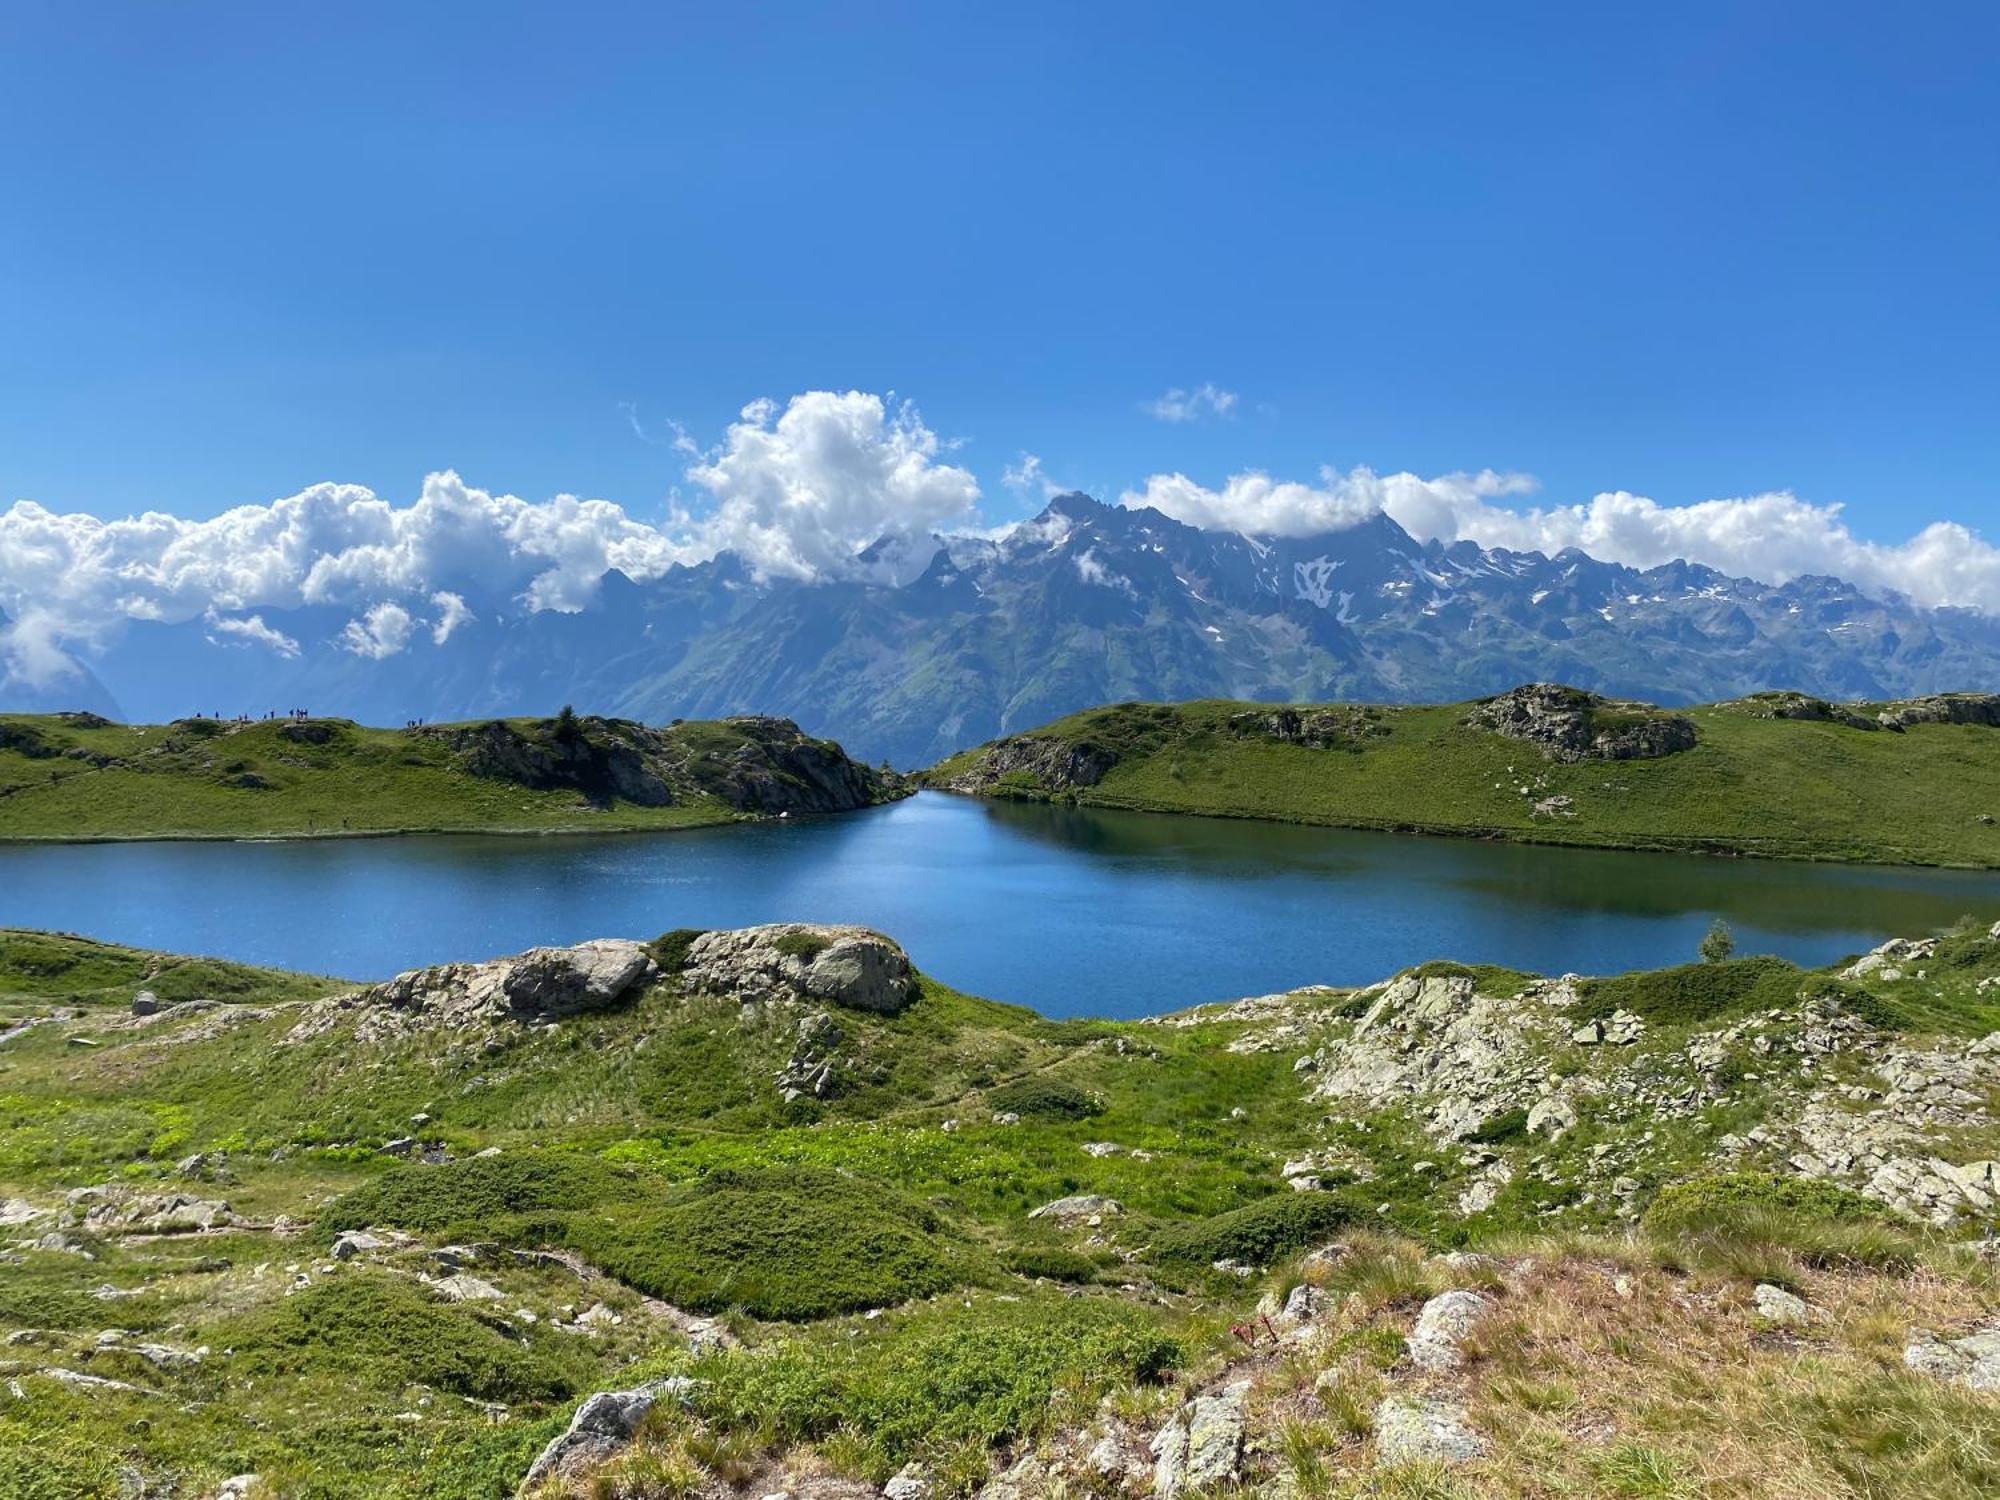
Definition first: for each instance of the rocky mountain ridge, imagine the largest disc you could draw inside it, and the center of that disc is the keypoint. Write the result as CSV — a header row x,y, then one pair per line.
x,y
1086,603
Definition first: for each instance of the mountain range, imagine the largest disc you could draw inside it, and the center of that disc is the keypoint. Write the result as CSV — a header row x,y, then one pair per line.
x,y
931,644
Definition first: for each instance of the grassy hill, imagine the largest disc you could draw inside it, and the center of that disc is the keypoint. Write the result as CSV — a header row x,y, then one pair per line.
x,y
361,1246
1832,782
78,776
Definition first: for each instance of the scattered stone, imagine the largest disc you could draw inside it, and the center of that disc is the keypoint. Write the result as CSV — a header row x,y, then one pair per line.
x,y
1554,1117
461,1287
1102,1148
353,1242
1776,1305
145,1003
911,1482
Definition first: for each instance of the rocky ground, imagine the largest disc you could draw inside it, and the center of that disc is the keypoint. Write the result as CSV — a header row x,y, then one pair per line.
x,y
766,1212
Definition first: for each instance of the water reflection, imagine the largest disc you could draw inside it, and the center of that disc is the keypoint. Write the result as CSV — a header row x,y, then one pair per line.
x,y
1070,910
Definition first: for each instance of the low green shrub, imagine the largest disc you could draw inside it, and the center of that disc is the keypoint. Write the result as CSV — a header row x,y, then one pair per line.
x,y
802,945
1508,1125
481,1195
1044,1099
1693,992
670,949
944,1376
1723,1199
1257,1234
789,1243
1051,1262
389,1332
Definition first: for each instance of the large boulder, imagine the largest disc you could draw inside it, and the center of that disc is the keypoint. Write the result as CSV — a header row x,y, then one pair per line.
x,y
798,961
1408,1430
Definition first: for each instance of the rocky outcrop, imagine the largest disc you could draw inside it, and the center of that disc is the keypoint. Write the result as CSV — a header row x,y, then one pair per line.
x,y
1972,1361
1943,708
1785,705
1314,728
1568,724
1441,1329
1043,763
754,763
538,986
798,961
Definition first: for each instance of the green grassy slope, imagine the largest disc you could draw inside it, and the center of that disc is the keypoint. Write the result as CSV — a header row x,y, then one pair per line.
x,y
65,778
645,1152
1774,787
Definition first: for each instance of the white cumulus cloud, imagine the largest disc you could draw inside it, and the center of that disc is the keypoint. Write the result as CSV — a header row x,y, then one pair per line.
x,y
250,630
798,492
1258,505
381,633
1177,405
453,612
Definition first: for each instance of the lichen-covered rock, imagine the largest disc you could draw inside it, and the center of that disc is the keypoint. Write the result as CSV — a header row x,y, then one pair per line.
x,y
1201,1446
1972,1361
1776,1305
797,961
1079,1206
1414,1431
1039,762
1441,1328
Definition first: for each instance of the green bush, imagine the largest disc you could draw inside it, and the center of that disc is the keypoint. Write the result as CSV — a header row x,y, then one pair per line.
x,y
1508,1125
1044,1099
1722,1200
1257,1234
36,1464
1694,992
944,1376
480,1195
804,946
790,1243
389,1332
1051,1262
670,949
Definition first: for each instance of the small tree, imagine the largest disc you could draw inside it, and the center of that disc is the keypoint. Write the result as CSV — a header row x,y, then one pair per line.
x,y
566,728
1719,943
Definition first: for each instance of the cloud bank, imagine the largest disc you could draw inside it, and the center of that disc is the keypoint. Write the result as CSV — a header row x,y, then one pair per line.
x,y
1775,536
797,490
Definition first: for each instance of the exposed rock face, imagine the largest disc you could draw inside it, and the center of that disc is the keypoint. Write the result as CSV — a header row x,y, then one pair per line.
x,y
754,763
1944,708
1052,764
604,1424
798,961
1973,1361
601,758
1570,725
114,1209
543,984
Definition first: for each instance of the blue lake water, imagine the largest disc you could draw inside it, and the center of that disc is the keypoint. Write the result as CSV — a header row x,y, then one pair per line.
x,y
1073,912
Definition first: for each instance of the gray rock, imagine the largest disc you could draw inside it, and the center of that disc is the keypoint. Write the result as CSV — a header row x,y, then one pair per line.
x,y
1442,1327
1078,1206
1776,1305
354,1242
1412,1431
145,1003
1203,1445
1972,1361
604,1424
911,1482
535,987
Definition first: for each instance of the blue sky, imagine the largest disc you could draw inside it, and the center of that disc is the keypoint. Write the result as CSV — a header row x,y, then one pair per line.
x,y
1687,251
